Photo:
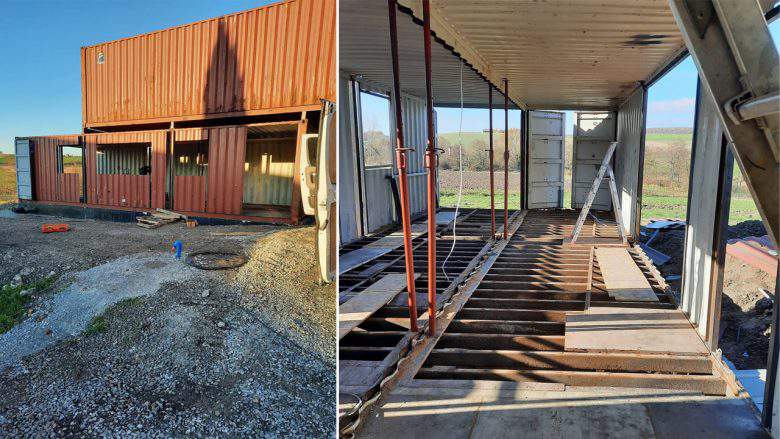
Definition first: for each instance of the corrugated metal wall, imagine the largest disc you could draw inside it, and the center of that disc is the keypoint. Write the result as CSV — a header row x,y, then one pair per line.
x,y
629,159
700,229
376,189
125,159
122,190
190,158
69,187
190,167
379,201
269,178
416,136
189,193
349,192
102,188
46,176
269,59
382,210
227,148
593,133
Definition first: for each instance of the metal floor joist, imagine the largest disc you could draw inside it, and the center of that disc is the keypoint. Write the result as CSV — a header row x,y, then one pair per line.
x,y
369,353
513,326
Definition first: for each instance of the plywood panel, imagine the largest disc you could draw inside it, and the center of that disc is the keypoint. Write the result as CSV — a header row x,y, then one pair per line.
x,y
647,330
622,277
357,309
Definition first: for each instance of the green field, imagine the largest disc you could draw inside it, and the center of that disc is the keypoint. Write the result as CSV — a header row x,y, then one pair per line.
x,y
653,204
7,178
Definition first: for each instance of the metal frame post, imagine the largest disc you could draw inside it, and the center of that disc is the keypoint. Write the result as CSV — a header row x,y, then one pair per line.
x,y
736,57
506,158
490,160
430,163
403,184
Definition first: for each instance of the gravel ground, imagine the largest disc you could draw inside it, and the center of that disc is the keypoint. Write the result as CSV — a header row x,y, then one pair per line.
x,y
209,354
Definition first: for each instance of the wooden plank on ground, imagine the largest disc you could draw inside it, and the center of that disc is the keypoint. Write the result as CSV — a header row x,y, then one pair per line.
x,y
647,330
357,309
622,277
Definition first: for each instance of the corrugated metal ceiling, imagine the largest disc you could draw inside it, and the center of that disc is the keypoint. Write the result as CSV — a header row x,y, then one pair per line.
x,y
364,46
273,130
574,54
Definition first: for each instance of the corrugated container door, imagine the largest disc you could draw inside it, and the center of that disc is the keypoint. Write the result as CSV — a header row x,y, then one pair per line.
x,y
189,193
227,149
190,161
23,174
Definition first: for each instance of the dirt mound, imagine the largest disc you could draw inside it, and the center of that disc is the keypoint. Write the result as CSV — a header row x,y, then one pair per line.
x,y
746,228
746,313
281,278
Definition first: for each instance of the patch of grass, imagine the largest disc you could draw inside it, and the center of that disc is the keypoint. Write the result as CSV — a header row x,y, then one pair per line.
x,y
11,306
12,303
130,301
97,325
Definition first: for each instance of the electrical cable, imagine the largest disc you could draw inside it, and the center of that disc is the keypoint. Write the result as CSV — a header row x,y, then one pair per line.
x,y
460,185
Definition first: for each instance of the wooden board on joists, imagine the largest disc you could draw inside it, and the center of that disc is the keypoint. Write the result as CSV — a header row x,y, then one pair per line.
x,y
622,277
388,243
645,330
357,309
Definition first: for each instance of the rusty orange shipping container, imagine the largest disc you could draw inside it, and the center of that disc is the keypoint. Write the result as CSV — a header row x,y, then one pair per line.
x,y
279,58
214,119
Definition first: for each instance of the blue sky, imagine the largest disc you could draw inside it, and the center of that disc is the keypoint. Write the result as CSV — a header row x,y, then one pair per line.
x,y
40,80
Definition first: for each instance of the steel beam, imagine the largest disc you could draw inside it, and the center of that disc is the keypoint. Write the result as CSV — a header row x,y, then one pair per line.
x,y
403,183
738,64
490,161
506,157
430,163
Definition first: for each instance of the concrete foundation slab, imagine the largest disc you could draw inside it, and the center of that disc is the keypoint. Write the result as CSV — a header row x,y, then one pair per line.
x,y
577,413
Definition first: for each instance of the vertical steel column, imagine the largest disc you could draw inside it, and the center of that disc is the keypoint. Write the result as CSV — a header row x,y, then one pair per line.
x,y
506,158
490,160
430,163
403,184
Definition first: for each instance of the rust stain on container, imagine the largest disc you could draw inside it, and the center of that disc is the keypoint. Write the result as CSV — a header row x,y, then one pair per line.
x,y
273,59
227,148
189,193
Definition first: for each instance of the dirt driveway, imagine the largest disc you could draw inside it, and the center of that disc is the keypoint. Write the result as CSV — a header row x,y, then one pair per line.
x,y
129,341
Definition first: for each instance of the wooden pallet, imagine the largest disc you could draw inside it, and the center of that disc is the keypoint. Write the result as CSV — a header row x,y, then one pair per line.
x,y
159,218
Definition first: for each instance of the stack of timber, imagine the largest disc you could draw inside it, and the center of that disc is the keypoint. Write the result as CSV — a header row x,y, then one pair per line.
x,y
159,218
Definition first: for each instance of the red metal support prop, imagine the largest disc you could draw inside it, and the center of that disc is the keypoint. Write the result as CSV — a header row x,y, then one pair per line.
x,y
490,160
403,184
506,158
430,163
